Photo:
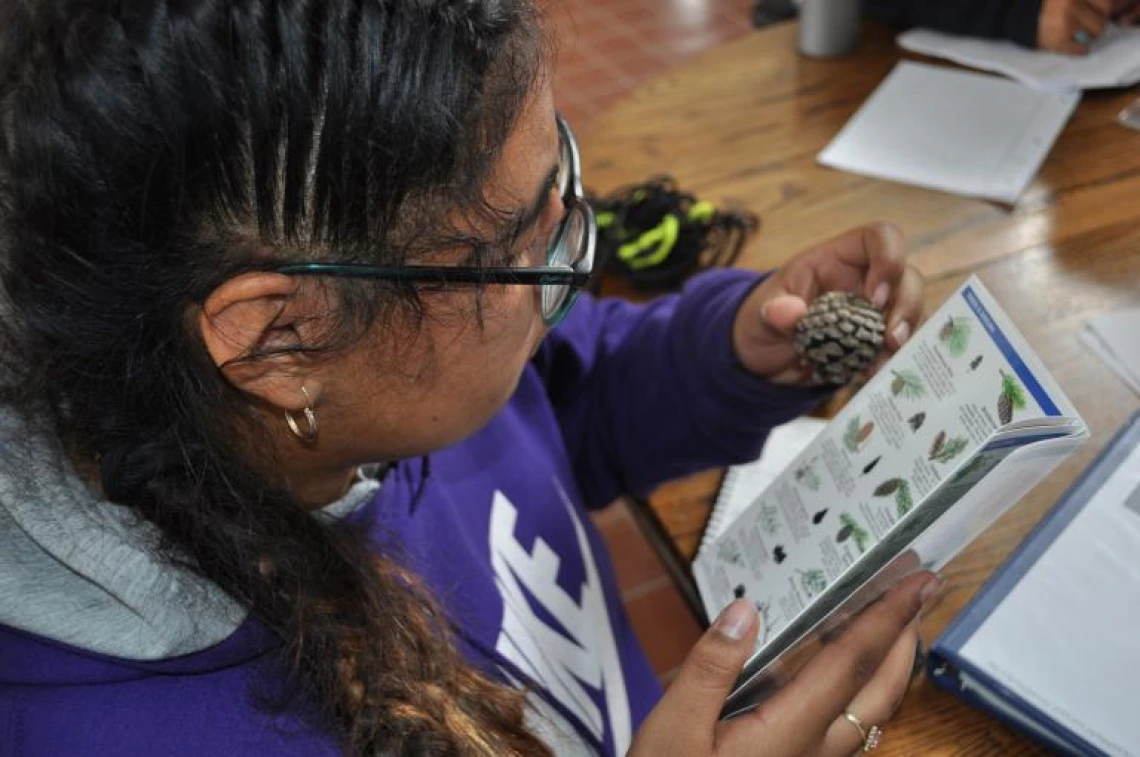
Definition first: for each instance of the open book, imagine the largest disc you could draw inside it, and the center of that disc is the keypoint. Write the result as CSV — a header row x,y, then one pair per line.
x,y
957,427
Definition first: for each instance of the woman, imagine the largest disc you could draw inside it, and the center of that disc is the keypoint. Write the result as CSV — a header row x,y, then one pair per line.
x,y
294,463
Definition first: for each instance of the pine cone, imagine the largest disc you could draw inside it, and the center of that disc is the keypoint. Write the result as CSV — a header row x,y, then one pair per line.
x,y
841,334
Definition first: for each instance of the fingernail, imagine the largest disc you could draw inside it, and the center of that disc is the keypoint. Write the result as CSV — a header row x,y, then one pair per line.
x,y
736,620
901,333
881,295
932,587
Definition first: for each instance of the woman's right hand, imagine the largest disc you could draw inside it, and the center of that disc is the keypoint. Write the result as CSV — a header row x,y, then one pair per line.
x,y
865,671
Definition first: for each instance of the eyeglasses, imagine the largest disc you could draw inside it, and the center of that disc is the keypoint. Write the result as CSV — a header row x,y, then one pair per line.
x,y
569,255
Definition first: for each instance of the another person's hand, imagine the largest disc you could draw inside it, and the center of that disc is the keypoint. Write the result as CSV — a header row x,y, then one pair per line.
x,y
865,672
1070,26
870,260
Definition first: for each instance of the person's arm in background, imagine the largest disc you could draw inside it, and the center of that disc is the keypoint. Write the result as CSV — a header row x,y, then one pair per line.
x,y
1064,26
1014,20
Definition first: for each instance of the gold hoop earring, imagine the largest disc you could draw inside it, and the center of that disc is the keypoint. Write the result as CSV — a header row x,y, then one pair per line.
x,y
310,434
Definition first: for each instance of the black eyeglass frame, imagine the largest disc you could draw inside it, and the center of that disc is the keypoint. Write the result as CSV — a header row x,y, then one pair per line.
x,y
574,276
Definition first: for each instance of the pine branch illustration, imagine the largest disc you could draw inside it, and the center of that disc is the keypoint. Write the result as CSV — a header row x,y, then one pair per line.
x,y
956,336
1011,387
950,450
851,435
907,384
857,533
813,581
903,501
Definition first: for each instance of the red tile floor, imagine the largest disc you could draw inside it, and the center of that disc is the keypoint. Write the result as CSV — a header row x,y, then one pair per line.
x,y
606,48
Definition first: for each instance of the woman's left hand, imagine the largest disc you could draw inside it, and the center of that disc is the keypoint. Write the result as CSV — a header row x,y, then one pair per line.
x,y
869,260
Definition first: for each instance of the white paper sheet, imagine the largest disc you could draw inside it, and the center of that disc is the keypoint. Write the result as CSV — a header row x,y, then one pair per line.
x,y
1112,338
957,131
1113,60
1064,638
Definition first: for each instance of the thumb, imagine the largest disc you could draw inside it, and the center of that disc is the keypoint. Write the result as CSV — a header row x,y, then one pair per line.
x,y
684,720
782,313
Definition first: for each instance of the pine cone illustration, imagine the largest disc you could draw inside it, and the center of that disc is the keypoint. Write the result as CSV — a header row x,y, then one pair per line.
x,y
888,487
936,447
841,334
1005,409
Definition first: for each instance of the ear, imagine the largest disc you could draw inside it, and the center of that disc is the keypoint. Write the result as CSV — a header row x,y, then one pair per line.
x,y
260,312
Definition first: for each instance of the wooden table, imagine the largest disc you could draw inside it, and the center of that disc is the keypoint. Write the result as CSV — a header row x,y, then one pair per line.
x,y
743,125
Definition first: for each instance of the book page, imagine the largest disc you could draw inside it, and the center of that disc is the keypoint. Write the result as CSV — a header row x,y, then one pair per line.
x,y
957,131
744,483
918,424
1081,597
925,539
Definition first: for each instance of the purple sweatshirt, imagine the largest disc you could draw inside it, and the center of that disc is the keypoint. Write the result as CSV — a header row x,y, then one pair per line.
x,y
618,399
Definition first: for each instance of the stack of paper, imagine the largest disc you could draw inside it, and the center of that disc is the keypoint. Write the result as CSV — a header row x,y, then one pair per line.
x,y
1112,337
1112,61
958,131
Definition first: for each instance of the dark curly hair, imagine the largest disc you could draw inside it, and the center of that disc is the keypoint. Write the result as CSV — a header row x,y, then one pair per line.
x,y
149,150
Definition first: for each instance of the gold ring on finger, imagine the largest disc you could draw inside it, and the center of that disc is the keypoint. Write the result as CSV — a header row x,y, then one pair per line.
x,y
871,735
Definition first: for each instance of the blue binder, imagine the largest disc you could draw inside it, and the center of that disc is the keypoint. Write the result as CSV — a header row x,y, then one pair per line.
x,y
949,670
